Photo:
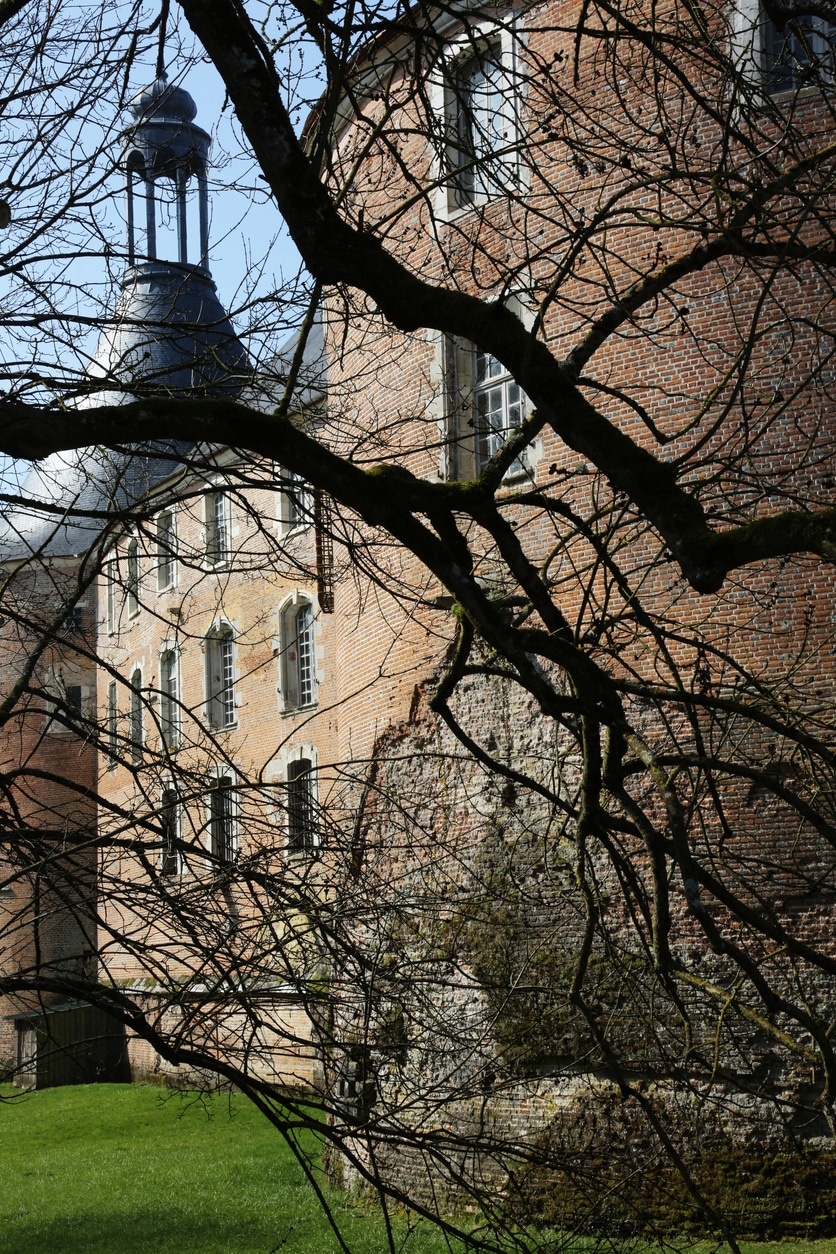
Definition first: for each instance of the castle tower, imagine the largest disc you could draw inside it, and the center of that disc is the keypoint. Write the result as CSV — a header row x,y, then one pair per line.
x,y
168,335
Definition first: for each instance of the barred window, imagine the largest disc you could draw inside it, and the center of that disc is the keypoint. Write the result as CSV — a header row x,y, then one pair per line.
x,y
302,824
221,819
170,863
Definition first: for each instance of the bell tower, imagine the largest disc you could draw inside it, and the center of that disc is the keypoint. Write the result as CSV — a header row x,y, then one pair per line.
x,y
165,158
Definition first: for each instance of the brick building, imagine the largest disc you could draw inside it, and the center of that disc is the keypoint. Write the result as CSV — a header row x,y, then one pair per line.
x,y
310,863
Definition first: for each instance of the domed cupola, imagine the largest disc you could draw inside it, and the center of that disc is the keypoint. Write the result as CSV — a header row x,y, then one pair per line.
x,y
169,332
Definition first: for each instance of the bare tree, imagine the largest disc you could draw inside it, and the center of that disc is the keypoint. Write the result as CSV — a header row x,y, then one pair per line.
x,y
565,950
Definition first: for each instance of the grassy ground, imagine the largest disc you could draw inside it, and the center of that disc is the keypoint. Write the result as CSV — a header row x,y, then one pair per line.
x,y
116,1169
120,1169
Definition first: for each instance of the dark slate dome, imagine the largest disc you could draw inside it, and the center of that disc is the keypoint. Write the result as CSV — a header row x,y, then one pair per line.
x,y
162,99
169,335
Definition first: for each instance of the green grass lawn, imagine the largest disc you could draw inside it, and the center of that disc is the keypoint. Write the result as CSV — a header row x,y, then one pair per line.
x,y
120,1169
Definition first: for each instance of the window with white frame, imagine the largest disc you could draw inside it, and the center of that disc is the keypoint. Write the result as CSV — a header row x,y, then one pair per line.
x,y
132,577
297,508
802,53
302,817
476,98
170,861
221,813
299,655
112,723
111,576
484,405
166,551
220,677
217,528
136,721
169,699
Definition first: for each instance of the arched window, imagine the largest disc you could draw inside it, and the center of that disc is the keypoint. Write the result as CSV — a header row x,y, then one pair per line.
x,y
169,699
136,715
132,577
220,677
302,819
299,670
221,807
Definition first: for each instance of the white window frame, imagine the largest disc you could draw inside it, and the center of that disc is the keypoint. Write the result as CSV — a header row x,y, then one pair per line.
x,y
299,680
112,723
217,528
166,543
170,737
222,779
221,677
133,578
111,574
750,45
296,505
136,715
445,101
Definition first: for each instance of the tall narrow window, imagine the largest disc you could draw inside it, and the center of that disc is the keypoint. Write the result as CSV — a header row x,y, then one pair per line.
x,y
479,124
136,714
217,528
132,577
221,818
166,551
302,827
110,596
220,678
299,655
169,707
112,719
170,833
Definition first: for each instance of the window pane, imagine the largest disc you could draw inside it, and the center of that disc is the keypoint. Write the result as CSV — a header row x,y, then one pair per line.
x,y
217,528
305,655
802,54
165,551
168,700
